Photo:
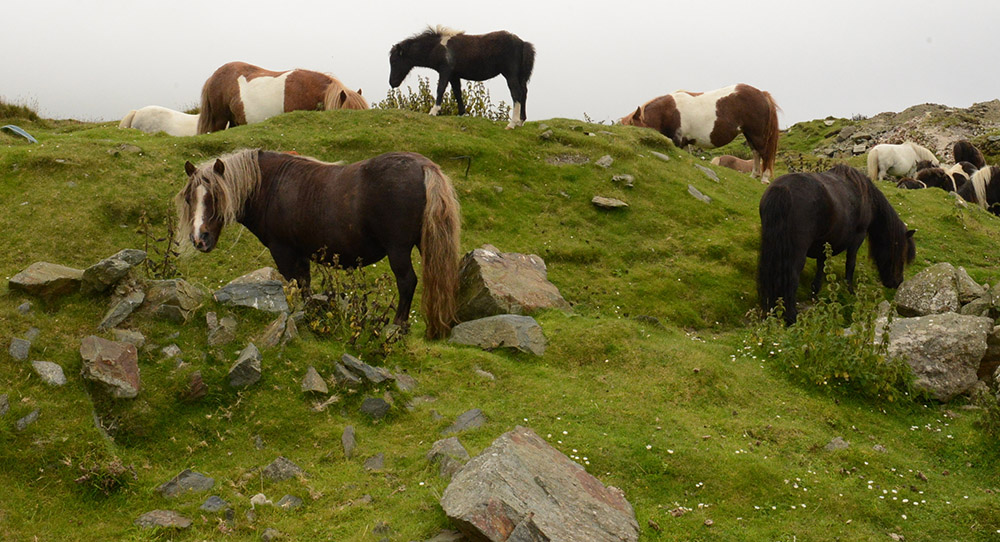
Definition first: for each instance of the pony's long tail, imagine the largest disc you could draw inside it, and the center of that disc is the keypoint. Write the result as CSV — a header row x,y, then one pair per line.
x,y
439,252
527,62
205,114
775,273
770,138
873,164
127,121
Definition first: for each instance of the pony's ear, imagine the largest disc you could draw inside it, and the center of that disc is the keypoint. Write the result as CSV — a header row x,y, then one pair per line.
x,y
219,167
359,92
343,96
909,233
189,168
637,116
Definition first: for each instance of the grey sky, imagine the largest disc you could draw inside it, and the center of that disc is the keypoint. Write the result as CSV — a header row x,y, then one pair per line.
x,y
95,60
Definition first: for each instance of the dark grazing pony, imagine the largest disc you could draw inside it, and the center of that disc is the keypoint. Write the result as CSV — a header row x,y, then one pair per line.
x,y
712,119
950,180
983,189
963,151
909,183
301,208
800,212
239,93
456,55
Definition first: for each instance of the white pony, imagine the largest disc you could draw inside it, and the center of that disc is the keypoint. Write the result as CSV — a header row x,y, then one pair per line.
x,y
153,118
897,160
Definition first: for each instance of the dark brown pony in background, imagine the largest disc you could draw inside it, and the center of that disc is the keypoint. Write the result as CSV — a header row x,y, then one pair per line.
x,y
357,214
239,93
712,119
963,151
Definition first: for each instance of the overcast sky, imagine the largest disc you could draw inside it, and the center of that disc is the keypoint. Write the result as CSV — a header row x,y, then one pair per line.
x,y
93,60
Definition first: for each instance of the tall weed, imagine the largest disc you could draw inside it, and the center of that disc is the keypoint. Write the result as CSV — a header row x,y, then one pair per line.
x,y
478,102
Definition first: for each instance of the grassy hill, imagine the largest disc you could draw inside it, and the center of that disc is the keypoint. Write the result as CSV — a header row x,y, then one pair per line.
x,y
676,411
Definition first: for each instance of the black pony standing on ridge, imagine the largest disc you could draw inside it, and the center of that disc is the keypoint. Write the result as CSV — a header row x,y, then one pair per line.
x,y
456,55
801,212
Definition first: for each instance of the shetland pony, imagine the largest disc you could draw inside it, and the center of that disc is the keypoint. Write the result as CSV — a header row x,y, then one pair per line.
x,y
801,212
963,151
153,118
712,119
239,93
907,183
357,214
898,160
456,55
732,162
983,189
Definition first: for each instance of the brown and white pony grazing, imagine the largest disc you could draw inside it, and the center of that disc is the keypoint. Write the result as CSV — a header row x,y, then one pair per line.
x,y
733,162
712,119
963,151
239,93
355,214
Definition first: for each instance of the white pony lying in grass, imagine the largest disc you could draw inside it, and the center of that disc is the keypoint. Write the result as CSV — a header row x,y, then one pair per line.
x,y
901,160
153,118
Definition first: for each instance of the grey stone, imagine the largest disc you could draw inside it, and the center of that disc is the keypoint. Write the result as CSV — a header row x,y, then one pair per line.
x,y
247,369
493,282
977,307
470,419
129,336
47,280
113,365
222,332
375,463
837,443
404,382
289,502
708,172
122,309
485,374
19,349
605,161
282,469
375,407
991,360
546,135
164,519
275,331
213,504
32,334
449,454
860,148
24,308
259,275
268,295
106,273
931,291
504,331
313,382
24,422
375,375
175,299
185,483
625,179
344,377
602,202
270,534
4,405
348,441
522,485
660,155
968,289
698,195
50,373
171,351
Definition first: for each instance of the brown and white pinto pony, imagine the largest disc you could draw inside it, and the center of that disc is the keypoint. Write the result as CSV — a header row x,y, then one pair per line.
x,y
733,162
712,119
239,93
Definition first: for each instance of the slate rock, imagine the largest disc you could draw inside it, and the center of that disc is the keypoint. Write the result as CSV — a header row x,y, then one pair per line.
x,y
185,483
624,178
289,502
106,273
164,519
196,388
605,161
313,382
122,309
247,369
345,378
113,365
503,331
375,407
47,280
404,382
213,504
348,441
175,299
375,375
470,419
968,289
931,291
977,307
130,336
375,463
520,488
492,282
32,334
50,373
221,331
449,454
171,351
23,423
282,469
660,155
698,195
708,172
265,295
602,202
275,332
19,349
4,405
24,308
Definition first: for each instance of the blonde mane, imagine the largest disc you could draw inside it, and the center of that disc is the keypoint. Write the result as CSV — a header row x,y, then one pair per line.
x,y
980,180
240,179
338,96
444,31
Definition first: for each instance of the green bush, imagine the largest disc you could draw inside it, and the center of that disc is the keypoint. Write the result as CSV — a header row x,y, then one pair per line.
x,y
477,100
17,111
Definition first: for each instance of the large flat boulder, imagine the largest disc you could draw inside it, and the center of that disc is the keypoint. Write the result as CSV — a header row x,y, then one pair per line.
x,y
931,291
504,331
493,282
47,280
520,488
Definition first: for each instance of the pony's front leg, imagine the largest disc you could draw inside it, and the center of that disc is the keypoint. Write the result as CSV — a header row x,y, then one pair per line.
x,y
442,85
852,260
293,267
456,89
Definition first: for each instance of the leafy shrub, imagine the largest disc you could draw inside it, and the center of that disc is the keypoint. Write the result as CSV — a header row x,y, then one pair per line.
x,y
833,345
161,250
475,94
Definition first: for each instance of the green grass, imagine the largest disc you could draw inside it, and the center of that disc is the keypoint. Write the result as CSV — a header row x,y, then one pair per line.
x,y
681,415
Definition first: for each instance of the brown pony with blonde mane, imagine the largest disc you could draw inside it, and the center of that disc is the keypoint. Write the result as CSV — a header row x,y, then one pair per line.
x,y
239,93
355,214
712,119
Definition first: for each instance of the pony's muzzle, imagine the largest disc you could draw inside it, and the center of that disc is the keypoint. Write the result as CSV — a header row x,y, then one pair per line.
x,y
201,242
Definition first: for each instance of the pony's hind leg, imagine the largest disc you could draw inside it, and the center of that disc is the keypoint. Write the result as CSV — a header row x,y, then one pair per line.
x,y
755,170
518,95
406,284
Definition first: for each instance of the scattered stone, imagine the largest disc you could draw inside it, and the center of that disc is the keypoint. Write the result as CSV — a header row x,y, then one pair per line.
x,y
567,159
258,442
521,484
4,405
313,383
708,172
114,365
485,374
977,307
375,463
348,441
164,519
247,369
129,336
24,308
122,309
24,422
470,419
968,289
171,351
213,504
375,375
503,331
880,449
837,443
270,534
19,349
546,135
404,382
345,378
282,469
375,407
626,179
382,528
493,282
602,202
175,299
261,294
185,483
50,373
32,334
47,280
605,161
106,273
222,331
275,332
259,275
660,155
698,195
931,291
289,502
449,454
